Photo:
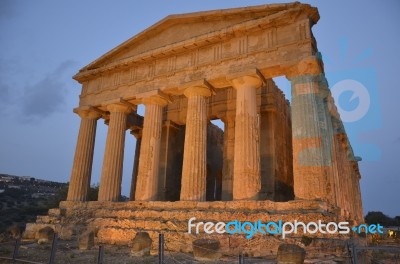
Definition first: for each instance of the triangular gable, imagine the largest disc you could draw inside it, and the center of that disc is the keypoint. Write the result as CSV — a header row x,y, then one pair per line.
x,y
177,28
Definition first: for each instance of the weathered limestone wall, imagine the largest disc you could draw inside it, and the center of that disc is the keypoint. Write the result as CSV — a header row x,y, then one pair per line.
x,y
118,223
171,158
275,145
215,145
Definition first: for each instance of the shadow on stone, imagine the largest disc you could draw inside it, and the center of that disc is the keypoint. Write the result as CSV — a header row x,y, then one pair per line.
x,y
290,254
86,240
206,249
45,234
66,232
14,232
141,244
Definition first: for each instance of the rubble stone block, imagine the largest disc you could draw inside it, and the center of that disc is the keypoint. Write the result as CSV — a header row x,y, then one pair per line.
x,y
206,249
45,234
86,240
141,244
14,231
290,254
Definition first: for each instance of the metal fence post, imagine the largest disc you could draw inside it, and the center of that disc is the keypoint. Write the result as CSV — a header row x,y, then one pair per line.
x,y
101,255
241,258
53,249
354,249
161,248
16,249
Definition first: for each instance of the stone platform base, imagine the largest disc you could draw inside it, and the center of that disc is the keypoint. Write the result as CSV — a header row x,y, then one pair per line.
x,y
118,222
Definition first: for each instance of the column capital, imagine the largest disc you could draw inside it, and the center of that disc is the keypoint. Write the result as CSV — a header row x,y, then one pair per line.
x,y
307,78
229,116
155,99
310,84
119,108
197,90
137,133
87,112
246,81
308,66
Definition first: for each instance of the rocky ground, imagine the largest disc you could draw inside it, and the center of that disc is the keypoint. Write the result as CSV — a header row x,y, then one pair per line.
x,y
68,252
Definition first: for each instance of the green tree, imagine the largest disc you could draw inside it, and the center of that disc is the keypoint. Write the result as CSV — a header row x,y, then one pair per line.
x,y
379,218
93,192
397,219
63,193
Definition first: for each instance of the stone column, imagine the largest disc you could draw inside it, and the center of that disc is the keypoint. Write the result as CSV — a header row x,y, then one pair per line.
x,y
194,156
82,167
329,143
268,137
246,172
138,136
337,128
111,176
229,154
170,164
312,140
147,181
360,216
345,179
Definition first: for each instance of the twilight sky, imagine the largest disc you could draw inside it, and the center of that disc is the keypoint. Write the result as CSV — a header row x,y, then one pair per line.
x,y
44,43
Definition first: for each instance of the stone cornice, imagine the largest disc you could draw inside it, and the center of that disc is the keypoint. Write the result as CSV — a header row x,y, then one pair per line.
x,y
280,18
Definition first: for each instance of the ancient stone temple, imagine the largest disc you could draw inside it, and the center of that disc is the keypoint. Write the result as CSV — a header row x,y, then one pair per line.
x,y
273,160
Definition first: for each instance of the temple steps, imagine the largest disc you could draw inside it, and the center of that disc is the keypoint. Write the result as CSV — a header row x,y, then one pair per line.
x,y
118,222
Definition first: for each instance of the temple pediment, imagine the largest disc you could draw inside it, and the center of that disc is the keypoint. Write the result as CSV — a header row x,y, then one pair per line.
x,y
176,29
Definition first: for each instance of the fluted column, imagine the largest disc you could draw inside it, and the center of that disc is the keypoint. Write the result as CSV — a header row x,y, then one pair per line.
x,y
312,139
111,176
229,154
328,141
360,217
82,166
147,181
246,172
194,156
338,130
135,169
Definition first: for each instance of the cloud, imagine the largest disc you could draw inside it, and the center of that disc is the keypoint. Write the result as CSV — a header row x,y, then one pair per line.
x,y
46,96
